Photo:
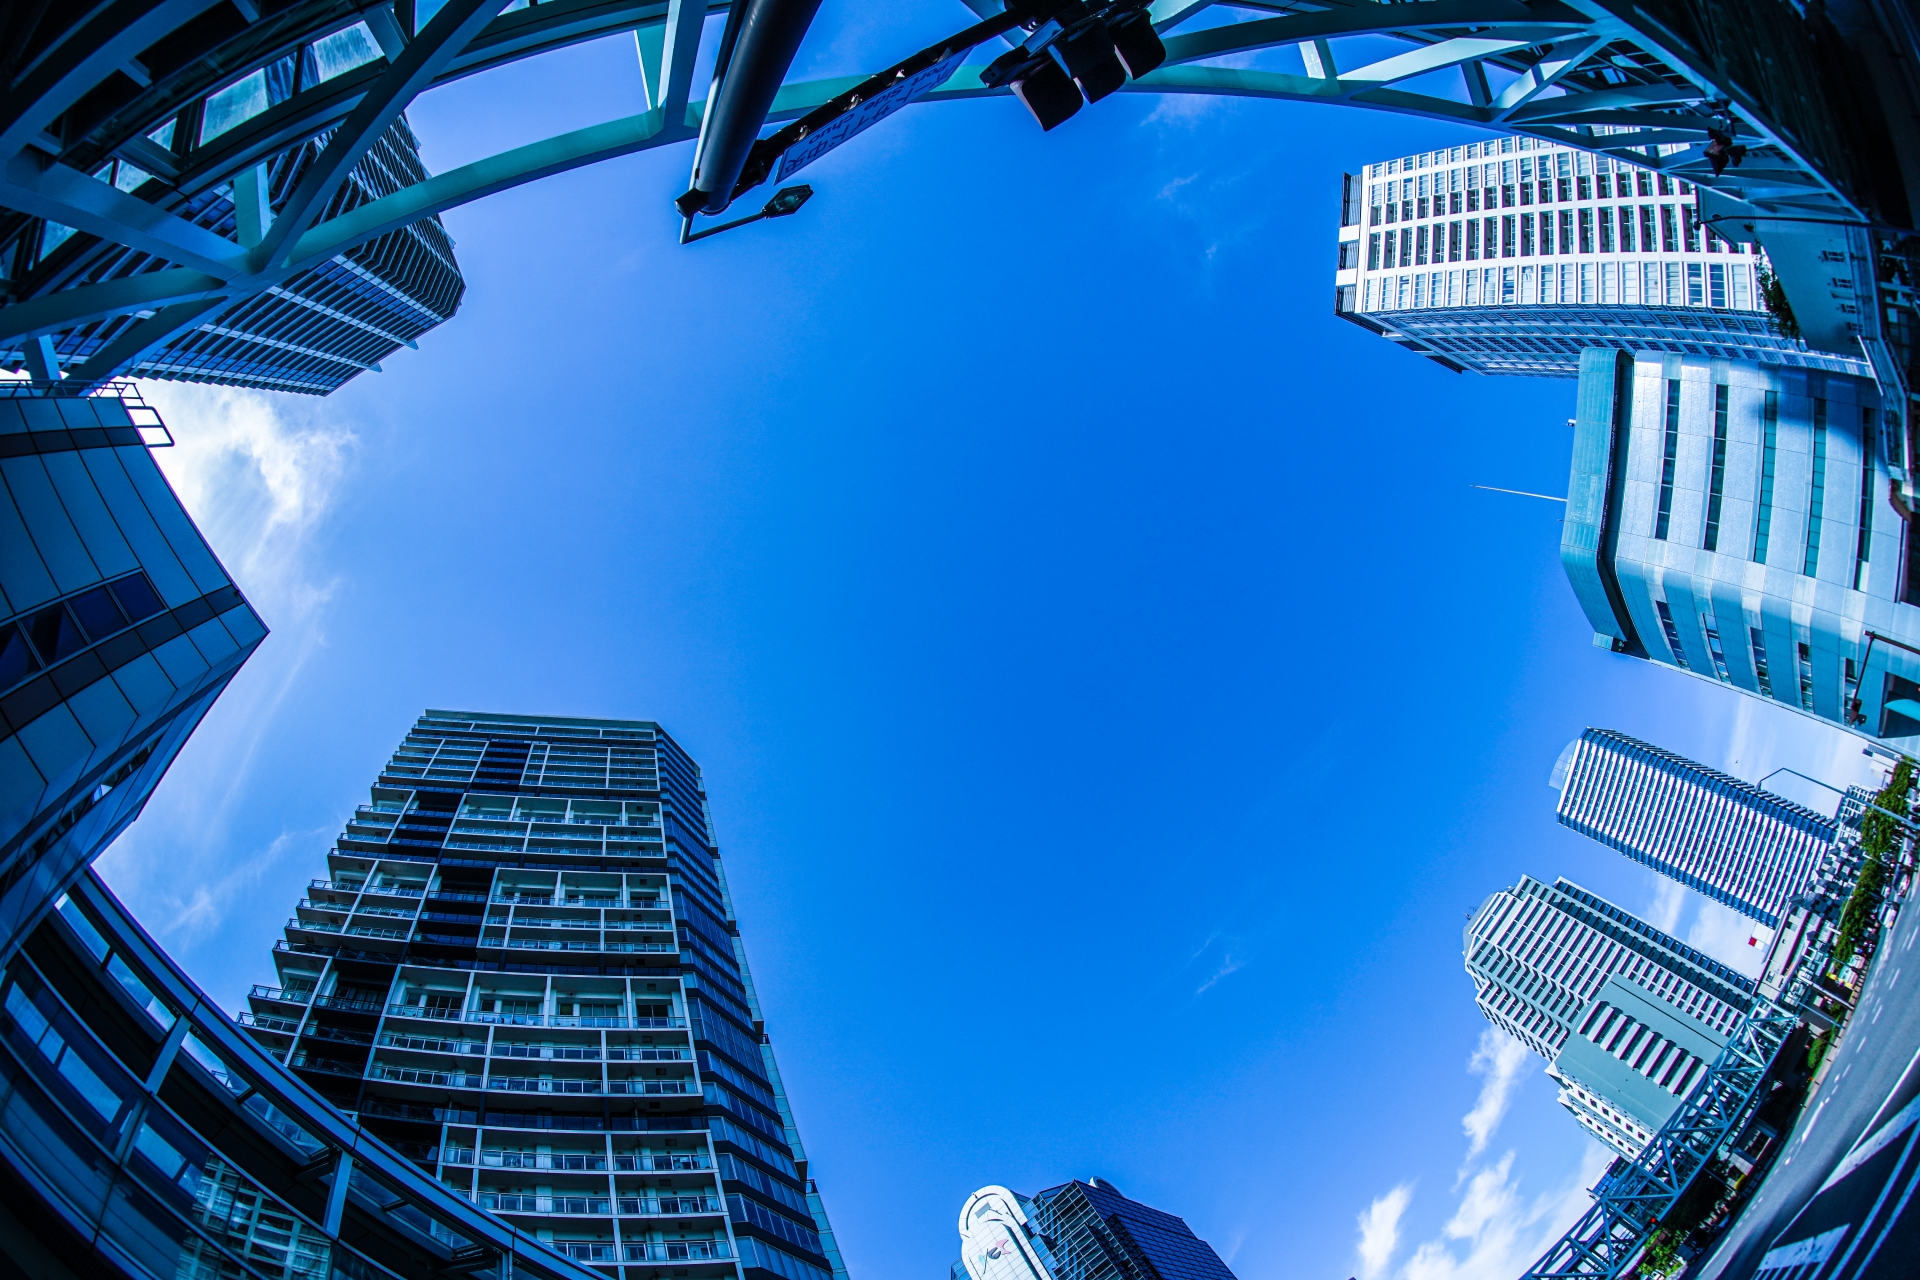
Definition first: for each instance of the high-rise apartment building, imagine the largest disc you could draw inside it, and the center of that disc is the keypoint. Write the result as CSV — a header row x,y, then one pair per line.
x,y
1730,840
1078,1231
1512,255
1749,524
1627,1016
522,970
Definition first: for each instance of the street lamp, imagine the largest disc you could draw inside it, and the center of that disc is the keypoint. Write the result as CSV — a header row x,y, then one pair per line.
x,y
785,201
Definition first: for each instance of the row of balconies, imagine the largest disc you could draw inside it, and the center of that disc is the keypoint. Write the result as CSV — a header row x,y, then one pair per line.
x,y
543,1052
583,1162
525,1084
600,1206
630,1251
612,1021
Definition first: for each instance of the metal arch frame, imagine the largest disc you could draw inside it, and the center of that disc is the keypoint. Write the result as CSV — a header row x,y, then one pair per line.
x,y
1595,74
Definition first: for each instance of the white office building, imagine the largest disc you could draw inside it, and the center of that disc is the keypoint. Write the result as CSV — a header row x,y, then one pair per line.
x,y
1512,255
1627,1016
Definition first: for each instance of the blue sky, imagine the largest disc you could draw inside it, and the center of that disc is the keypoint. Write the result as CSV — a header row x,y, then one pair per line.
x,y
1111,696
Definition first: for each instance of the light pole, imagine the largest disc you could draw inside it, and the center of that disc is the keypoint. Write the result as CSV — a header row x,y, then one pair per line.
x,y
785,201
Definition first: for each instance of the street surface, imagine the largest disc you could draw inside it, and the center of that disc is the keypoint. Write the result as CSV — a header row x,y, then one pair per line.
x,y
1848,1213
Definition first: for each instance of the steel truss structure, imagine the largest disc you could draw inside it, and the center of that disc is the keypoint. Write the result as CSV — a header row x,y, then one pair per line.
x,y
1629,1204
90,84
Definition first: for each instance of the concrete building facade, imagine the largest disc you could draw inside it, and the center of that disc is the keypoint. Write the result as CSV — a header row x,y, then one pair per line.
x,y
1627,1016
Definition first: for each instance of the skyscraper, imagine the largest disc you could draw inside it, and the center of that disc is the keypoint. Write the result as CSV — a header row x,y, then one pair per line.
x,y
1749,525
1511,255
120,630
522,970
1728,839
1078,1231
1627,1016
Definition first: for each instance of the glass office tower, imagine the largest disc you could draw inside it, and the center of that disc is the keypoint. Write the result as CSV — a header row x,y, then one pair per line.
x,y
1078,1231
522,970
1628,1016
120,629
1728,839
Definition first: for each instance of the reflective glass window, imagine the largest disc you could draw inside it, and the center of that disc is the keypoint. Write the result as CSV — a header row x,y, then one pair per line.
x,y
16,658
137,596
54,634
99,616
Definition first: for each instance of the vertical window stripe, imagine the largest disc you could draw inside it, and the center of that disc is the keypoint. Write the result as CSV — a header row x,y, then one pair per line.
x,y
1669,456
1717,477
1817,496
1769,441
1864,544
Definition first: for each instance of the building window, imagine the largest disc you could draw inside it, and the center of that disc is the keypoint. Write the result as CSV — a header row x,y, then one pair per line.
x,y
1646,228
1420,247
1586,229
1696,285
1758,640
1669,457
1769,440
1406,246
1393,240
1718,475
1453,241
1606,228
1626,227
1566,231
1691,226
1864,543
1816,500
1714,649
1373,252
1473,239
1673,635
1806,676
1717,285
1669,230
1507,243
1526,235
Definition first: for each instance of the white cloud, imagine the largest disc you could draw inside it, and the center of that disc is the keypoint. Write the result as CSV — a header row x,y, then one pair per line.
x,y
1669,896
1724,934
1498,1059
259,474
1380,1230
1497,1232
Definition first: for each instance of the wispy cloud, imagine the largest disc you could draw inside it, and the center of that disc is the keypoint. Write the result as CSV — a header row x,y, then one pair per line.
x,y
259,474
1726,934
1668,898
1229,965
1498,1060
1380,1231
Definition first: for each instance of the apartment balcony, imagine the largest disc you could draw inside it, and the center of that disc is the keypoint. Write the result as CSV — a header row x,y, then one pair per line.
x,y
675,1251
631,1162
529,1019
431,1044
280,995
628,1053
555,1053
347,1004
423,1075
339,886
325,1066
269,1022
398,913
598,1206
572,1162
533,1084
662,1162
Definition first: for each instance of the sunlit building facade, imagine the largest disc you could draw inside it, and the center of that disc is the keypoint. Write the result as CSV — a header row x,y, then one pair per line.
x,y
1746,524
1627,1016
522,970
1730,840
1512,255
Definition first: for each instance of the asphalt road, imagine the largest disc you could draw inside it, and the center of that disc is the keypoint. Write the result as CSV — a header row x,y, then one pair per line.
x,y
1875,1075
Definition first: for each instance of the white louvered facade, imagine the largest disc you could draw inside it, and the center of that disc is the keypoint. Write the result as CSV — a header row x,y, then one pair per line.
x,y
1539,957
1725,838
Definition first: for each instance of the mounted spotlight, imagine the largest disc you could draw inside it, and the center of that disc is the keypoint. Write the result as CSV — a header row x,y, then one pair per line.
x,y
1087,50
1047,91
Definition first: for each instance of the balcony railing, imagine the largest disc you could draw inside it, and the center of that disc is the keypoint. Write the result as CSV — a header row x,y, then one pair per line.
x,y
617,1053
431,1044
268,1022
650,1086
421,1075
662,1162
331,1066
285,996
562,1053
582,1162
577,1162
346,1004
676,1251
532,1084
424,1011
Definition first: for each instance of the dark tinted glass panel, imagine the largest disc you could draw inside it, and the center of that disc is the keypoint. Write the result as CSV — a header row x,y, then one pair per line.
x,y
137,596
99,615
54,634
16,659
